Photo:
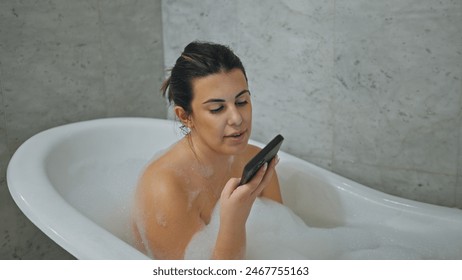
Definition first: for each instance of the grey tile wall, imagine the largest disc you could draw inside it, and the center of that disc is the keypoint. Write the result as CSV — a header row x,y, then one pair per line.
x,y
68,61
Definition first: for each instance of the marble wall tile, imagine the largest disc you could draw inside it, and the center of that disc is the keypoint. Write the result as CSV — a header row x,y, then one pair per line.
x,y
273,38
398,91
401,70
433,188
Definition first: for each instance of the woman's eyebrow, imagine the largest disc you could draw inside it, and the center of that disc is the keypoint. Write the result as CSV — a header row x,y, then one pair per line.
x,y
241,93
222,100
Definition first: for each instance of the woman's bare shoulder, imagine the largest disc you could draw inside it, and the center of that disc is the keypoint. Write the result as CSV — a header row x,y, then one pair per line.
x,y
163,179
164,209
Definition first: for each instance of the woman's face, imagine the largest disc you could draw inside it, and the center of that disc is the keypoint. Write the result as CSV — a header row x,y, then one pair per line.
x,y
221,112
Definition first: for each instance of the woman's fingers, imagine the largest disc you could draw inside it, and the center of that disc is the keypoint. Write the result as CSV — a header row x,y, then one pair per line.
x,y
230,186
266,176
263,177
255,186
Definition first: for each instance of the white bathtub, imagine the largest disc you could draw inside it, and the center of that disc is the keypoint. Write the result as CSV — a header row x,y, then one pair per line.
x,y
75,183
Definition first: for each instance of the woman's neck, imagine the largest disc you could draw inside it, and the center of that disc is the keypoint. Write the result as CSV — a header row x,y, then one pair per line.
x,y
209,163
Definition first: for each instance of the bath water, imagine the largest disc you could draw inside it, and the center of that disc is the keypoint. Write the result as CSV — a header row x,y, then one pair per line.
x,y
275,232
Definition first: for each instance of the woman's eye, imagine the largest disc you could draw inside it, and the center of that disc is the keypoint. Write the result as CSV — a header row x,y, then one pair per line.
x,y
217,110
241,103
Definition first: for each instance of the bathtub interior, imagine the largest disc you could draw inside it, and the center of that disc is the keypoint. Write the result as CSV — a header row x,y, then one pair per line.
x,y
94,167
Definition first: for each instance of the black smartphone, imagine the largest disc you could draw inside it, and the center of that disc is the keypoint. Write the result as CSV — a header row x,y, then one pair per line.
x,y
265,155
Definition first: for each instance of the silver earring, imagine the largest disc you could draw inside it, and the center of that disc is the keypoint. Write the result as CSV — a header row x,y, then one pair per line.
x,y
185,129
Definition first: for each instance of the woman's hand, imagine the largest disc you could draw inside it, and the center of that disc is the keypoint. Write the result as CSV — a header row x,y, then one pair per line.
x,y
236,202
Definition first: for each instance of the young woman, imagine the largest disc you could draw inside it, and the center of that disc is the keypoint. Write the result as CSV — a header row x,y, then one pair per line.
x,y
178,191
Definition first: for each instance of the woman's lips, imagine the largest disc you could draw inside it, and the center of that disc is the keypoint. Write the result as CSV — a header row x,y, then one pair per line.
x,y
236,134
237,137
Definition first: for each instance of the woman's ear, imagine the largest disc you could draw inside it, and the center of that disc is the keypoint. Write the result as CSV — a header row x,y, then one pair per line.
x,y
183,116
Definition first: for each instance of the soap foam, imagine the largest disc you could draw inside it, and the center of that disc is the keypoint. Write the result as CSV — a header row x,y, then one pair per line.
x,y
93,181
275,232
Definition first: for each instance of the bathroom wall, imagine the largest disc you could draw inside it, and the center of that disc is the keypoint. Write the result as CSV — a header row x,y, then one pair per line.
x,y
369,89
64,61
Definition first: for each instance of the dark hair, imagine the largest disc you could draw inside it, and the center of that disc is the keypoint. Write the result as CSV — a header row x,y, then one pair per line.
x,y
199,59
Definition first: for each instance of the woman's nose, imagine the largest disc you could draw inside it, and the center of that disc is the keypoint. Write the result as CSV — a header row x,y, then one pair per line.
x,y
235,118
